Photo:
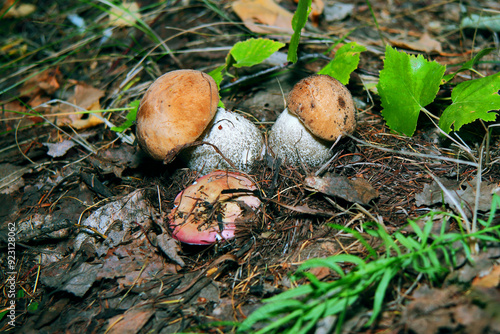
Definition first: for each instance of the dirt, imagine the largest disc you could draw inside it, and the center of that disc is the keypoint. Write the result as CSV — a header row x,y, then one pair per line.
x,y
129,276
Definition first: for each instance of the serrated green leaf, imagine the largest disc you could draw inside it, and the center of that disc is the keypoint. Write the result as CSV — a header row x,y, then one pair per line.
x,y
407,84
472,100
217,75
345,62
298,23
253,51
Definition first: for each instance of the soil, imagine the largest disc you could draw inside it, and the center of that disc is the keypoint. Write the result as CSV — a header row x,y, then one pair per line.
x,y
61,174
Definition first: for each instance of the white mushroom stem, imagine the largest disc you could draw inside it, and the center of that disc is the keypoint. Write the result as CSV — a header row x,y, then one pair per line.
x,y
238,139
291,141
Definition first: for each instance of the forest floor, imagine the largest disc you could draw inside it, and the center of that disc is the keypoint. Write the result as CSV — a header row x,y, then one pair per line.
x,y
62,169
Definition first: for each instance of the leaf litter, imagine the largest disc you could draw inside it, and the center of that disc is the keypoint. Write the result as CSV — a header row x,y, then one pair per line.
x,y
96,219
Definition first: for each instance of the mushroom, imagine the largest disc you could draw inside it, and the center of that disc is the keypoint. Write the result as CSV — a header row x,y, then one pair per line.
x,y
236,137
175,110
179,108
202,214
319,110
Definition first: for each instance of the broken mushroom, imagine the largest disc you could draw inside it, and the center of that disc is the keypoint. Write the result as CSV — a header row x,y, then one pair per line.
x,y
202,214
179,109
319,111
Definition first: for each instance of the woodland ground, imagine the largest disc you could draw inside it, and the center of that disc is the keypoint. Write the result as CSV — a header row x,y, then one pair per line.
x,y
56,172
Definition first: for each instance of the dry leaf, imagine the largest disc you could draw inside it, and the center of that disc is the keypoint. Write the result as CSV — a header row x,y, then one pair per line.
x,y
489,280
264,16
59,149
125,17
15,10
426,43
320,272
170,248
46,82
433,194
130,322
87,98
355,190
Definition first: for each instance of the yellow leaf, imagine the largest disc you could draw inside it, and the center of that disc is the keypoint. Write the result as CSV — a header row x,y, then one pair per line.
x,y
124,16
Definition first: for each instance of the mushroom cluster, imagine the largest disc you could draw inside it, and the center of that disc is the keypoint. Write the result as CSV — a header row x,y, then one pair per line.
x,y
320,109
179,112
180,108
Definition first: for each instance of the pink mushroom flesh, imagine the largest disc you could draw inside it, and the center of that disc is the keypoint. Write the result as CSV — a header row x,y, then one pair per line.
x,y
203,215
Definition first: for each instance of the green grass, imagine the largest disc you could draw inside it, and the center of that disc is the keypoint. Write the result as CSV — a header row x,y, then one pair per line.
x,y
422,252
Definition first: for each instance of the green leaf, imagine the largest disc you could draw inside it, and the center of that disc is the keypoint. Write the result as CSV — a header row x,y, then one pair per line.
x,y
32,307
389,274
472,100
321,262
407,84
130,118
265,311
299,291
469,65
217,74
251,52
299,21
345,62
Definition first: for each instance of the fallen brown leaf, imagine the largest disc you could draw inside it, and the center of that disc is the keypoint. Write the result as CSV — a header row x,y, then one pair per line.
x,y
426,43
87,98
264,16
489,280
352,190
130,322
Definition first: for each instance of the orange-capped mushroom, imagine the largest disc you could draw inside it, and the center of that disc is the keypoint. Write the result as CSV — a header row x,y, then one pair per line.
x,y
319,110
175,111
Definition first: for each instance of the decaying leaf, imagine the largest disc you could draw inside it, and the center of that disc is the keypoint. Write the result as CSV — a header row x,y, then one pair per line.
x,y
59,149
86,98
352,190
490,279
46,82
433,194
124,212
75,279
426,43
264,16
170,248
131,321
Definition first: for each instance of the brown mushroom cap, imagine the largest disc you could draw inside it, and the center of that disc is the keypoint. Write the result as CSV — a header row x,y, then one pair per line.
x,y
175,111
324,105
